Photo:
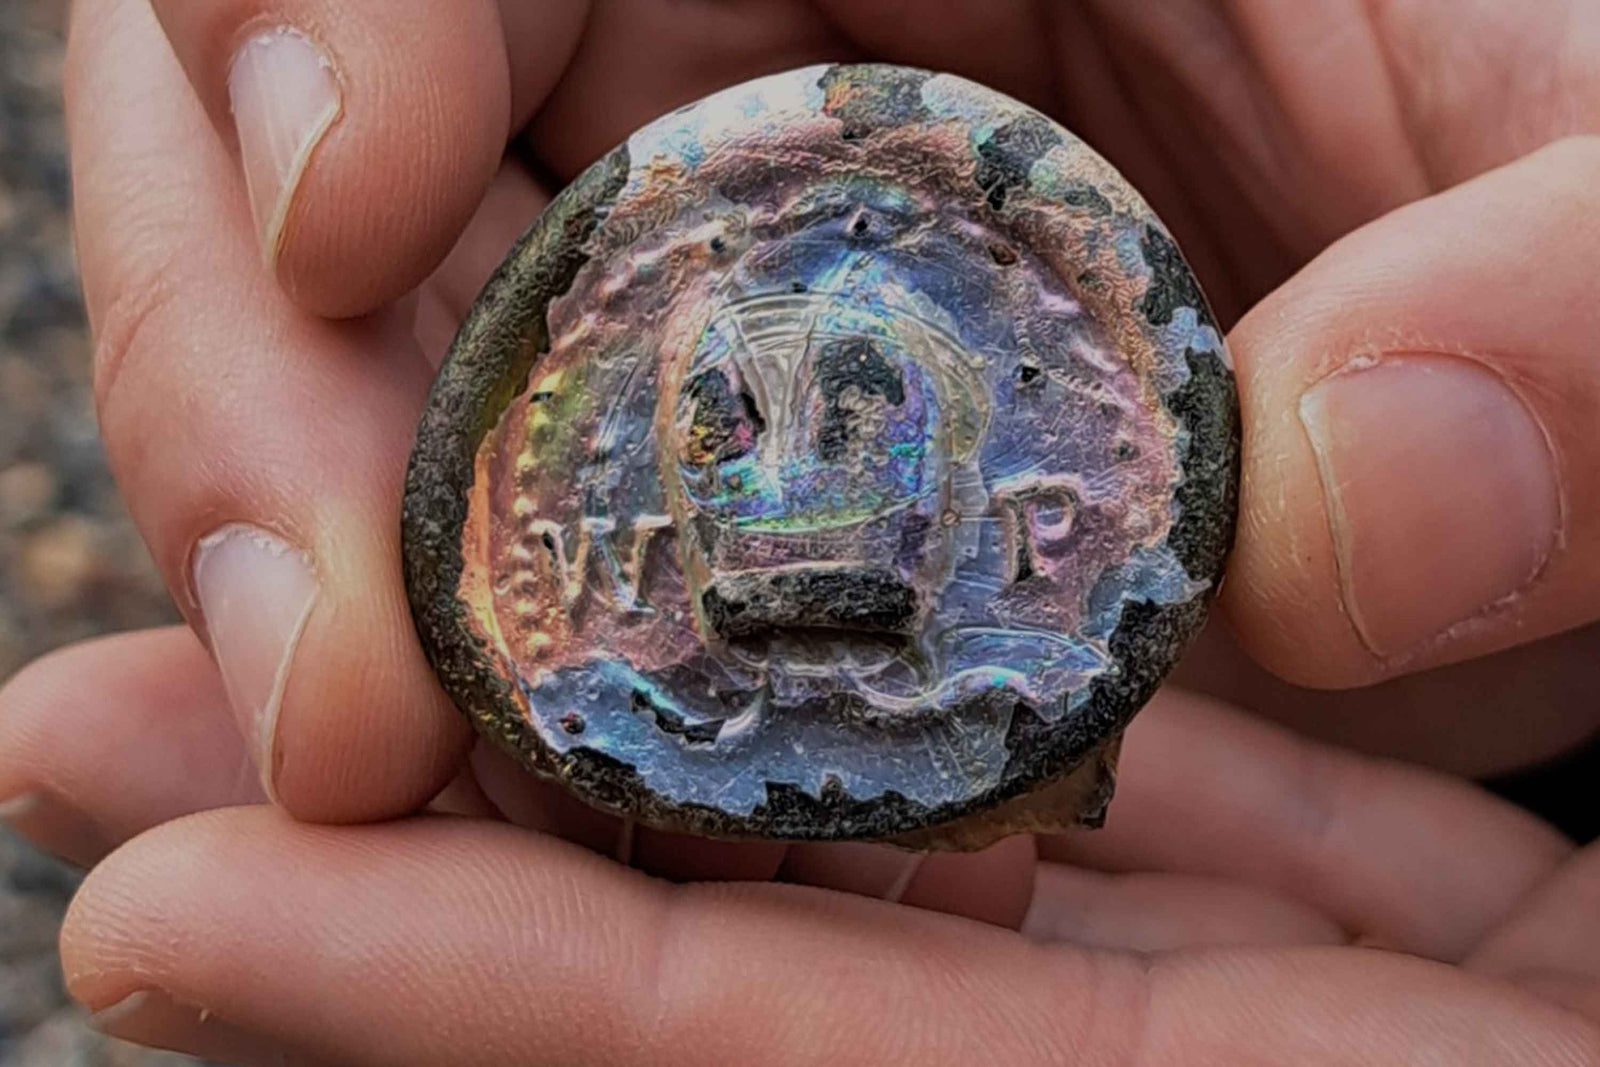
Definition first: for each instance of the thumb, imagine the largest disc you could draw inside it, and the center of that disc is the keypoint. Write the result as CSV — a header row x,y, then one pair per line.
x,y
1421,451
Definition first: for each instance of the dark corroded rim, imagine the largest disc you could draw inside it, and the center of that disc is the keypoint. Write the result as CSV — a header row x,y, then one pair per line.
x,y
489,364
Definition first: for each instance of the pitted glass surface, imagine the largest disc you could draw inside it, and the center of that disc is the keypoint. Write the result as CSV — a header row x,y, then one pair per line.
x,y
850,440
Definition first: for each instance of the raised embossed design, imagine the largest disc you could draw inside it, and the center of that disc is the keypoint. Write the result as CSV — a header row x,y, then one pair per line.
x,y
853,441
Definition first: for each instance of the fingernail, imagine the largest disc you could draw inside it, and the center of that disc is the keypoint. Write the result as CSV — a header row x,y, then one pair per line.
x,y
1441,493
285,97
256,593
154,1018
138,1017
56,827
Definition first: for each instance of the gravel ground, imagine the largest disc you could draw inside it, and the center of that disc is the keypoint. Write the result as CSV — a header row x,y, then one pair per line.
x,y
70,563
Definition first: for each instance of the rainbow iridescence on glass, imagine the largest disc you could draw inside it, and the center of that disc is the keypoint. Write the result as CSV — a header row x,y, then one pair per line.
x,y
831,463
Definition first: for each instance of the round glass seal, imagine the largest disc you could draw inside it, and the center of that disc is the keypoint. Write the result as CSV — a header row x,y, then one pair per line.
x,y
848,455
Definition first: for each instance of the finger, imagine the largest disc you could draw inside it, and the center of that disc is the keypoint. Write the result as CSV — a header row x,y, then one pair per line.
x,y
1505,712
1394,854
1552,943
639,59
103,740
509,207
150,1019
267,483
993,886
441,941
535,804
867,870
1420,463
1166,912
366,132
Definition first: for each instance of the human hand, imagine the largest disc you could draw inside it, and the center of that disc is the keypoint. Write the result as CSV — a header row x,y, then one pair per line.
x,y
299,426
1256,898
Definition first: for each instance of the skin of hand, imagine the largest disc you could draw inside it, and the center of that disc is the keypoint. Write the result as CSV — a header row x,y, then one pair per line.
x,y
285,206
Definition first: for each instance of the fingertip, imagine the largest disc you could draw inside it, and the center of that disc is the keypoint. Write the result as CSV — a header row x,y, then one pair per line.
x,y
1418,461
103,739
338,707
103,956
339,753
366,133
423,118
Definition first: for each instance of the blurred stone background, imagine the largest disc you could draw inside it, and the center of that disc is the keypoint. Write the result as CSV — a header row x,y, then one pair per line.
x,y
70,563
